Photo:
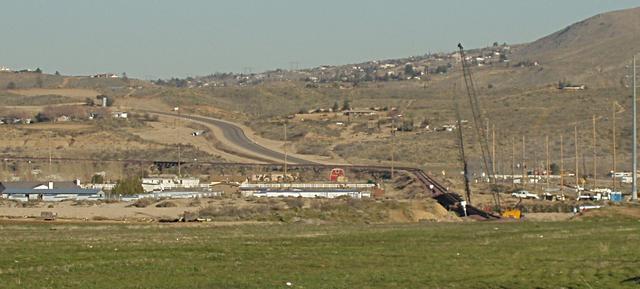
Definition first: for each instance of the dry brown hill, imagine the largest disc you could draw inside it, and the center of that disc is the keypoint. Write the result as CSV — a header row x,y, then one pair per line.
x,y
592,52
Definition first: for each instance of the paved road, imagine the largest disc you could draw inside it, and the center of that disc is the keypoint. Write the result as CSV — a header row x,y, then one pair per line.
x,y
235,135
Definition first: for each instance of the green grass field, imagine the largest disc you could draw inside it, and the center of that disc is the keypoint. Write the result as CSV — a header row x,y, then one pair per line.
x,y
575,254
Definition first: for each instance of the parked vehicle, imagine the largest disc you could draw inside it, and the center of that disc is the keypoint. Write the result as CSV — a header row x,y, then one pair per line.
x,y
522,194
589,197
553,197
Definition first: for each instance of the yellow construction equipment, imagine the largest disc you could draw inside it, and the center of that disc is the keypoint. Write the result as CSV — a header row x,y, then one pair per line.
x,y
513,213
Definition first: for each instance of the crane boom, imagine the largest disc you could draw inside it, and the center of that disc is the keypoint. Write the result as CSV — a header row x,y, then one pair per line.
x,y
463,159
478,120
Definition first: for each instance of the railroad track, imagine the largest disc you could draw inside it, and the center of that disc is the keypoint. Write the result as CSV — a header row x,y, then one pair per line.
x,y
449,200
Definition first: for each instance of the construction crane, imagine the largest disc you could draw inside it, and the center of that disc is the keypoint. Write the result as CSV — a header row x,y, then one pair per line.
x,y
478,120
463,159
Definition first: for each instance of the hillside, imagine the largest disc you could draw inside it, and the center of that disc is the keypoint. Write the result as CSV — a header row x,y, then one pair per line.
x,y
518,96
592,52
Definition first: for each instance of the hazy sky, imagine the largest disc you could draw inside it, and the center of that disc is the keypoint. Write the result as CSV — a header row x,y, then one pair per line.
x,y
153,39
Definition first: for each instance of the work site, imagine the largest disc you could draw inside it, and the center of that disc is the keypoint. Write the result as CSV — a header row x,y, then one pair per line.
x,y
503,160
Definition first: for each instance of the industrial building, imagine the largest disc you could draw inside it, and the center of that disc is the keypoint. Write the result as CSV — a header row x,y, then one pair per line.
x,y
181,194
307,190
48,191
168,182
310,193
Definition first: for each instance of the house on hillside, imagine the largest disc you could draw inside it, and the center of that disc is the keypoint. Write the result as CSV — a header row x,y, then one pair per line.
x,y
63,118
105,75
574,87
48,191
359,112
119,114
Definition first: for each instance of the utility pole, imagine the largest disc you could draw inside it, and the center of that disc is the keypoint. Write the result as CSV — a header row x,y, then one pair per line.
x,y
50,154
613,137
535,168
595,156
491,173
524,170
393,145
175,125
548,167
513,161
29,171
493,151
285,150
561,164
634,190
575,133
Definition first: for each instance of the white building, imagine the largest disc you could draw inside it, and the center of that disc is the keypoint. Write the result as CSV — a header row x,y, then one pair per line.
x,y
299,193
161,183
173,195
48,191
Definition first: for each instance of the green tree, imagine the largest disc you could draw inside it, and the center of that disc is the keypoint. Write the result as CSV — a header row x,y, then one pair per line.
x,y
41,117
128,186
442,69
407,125
38,70
335,106
555,169
346,105
97,179
11,85
57,73
408,70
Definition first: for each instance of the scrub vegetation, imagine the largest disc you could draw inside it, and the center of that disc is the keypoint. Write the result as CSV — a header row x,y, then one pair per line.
x,y
584,253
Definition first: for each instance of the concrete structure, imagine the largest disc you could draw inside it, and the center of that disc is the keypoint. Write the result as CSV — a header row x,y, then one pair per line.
x,y
48,191
247,185
307,193
307,190
180,194
103,187
162,183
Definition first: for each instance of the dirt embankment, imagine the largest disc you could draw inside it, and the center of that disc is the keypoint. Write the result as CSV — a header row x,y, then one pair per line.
x,y
237,210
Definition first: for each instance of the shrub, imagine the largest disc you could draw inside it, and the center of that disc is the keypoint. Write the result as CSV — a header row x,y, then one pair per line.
x,y
294,203
97,179
166,204
142,203
356,203
232,212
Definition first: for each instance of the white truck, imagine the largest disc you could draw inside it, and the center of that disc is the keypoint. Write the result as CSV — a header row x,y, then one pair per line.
x,y
522,194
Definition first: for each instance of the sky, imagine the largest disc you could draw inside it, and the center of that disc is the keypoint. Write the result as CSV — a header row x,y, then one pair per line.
x,y
153,39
